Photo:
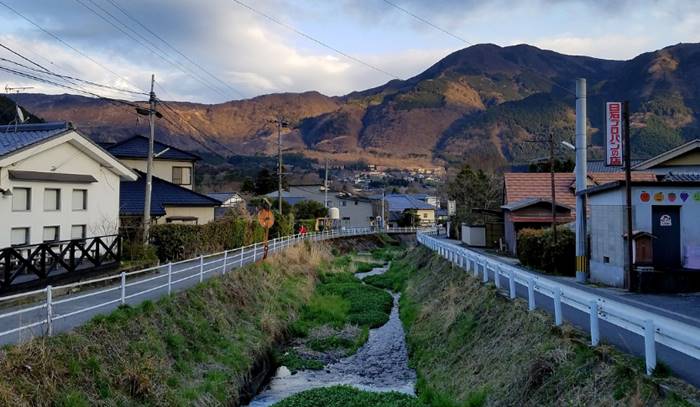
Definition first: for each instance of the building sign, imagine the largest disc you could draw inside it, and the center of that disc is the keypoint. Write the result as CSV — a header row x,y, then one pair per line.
x,y
665,220
613,141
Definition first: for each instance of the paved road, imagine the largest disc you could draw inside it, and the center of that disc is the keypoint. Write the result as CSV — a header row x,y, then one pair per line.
x,y
682,308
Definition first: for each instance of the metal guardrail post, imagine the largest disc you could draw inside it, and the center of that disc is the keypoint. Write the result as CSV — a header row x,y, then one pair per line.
x,y
49,311
511,282
242,253
170,278
475,270
595,330
223,268
201,268
649,346
530,294
123,291
486,272
255,251
497,276
557,306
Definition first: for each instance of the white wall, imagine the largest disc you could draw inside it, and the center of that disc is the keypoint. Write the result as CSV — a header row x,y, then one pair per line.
x,y
162,169
101,216
607,226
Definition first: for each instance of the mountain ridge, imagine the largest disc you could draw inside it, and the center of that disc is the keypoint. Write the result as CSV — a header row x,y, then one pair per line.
x,y
478,104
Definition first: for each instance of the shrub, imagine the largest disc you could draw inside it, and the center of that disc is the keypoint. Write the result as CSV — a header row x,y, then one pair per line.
x,y
176,242
535,249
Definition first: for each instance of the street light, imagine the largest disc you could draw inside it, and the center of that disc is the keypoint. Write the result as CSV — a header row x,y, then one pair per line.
x,y
568,145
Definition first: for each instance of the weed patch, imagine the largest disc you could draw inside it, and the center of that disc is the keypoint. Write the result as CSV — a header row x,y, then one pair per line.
x,y
344,396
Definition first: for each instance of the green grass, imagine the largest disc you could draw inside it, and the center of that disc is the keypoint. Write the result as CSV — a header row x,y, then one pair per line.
x,y
193,348
363,267
341,299
295,362
471,347
344,396
394,279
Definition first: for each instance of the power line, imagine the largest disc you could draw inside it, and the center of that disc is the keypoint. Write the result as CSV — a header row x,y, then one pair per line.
x,y
62,85
149,47
127,14
317,41
421,19
66,77
59,39
444,31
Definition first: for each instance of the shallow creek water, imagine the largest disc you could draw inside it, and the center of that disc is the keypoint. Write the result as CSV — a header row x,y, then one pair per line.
x,y
381,364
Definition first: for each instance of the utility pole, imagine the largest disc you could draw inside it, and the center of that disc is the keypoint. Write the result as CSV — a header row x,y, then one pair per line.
x,y
554,193
581,174
383,198
325,187
627,150
149,164
280,122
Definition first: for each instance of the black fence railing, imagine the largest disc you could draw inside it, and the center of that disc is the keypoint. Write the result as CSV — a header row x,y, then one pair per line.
x,y
36,265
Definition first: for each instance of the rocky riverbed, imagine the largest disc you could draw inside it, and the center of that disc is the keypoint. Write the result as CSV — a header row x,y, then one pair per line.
x,y
381,364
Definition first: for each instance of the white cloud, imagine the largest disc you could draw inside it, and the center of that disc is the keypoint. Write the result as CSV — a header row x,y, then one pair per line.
x,y
606,46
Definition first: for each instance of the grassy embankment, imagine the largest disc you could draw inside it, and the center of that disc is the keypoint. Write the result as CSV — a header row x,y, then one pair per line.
x,y
471,346
193,348
337,319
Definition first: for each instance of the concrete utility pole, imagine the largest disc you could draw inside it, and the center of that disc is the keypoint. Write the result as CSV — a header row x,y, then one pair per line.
x,y
325,187
149,163
627,151
280,122
554,193
581,174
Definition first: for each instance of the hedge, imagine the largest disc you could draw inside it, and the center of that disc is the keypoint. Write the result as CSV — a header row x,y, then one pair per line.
x,y
175,242
535,250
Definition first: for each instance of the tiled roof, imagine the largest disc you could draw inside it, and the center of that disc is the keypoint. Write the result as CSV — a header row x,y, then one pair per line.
x,y
521,186
682,177
137,147
596,166
131,196
401,202
13,138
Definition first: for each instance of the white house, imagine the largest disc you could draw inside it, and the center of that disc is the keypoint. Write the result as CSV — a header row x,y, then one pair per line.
x,y
56,184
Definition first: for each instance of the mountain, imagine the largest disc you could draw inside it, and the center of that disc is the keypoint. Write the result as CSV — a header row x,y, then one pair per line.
x,y
479,104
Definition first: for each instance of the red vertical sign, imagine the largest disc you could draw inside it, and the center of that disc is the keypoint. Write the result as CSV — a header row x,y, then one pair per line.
x,y
613,139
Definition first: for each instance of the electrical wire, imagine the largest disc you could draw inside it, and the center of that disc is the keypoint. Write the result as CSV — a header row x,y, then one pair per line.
x,y
66,77
59,39
457,37
151,48
317,41
145,27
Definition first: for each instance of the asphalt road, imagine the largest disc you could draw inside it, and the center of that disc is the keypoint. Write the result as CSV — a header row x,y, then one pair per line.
x,y
683,308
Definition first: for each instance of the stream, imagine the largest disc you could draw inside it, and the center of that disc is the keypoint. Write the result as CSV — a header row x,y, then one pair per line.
x,y
380,365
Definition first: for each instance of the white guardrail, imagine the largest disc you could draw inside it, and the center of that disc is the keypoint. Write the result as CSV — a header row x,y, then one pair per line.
x,y
679,336
58,303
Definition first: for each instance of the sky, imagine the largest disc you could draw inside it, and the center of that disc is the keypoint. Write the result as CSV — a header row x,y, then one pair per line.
x,y
220,50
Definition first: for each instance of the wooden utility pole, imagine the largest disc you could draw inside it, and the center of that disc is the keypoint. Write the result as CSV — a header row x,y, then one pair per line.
x,y
149,163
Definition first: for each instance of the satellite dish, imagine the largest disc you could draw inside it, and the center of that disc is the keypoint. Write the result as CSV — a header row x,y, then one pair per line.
x,y
20,115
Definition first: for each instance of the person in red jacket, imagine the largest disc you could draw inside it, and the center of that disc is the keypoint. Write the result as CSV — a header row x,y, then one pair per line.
x,y
302,230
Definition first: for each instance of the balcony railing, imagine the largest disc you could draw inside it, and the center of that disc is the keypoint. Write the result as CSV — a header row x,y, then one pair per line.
x,y
34,265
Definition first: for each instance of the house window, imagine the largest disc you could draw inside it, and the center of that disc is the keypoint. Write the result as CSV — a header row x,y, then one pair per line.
x,y
20,236
182,175
77,232
50,233
79,199
345,203
21,199
425,215
52,199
